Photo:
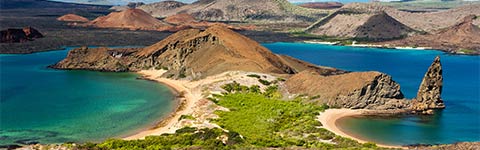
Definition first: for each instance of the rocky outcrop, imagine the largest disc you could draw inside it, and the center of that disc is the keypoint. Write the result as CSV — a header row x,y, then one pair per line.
x,y
365,23
370,90
322,5
188,53
430,90
19,35
72,18
356,90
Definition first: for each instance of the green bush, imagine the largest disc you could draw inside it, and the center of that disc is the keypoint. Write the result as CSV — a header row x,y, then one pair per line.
x,y
253,76
186,117
264,82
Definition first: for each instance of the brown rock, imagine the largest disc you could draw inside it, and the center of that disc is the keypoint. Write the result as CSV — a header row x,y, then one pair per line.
x,y
429,93
72,18
370,90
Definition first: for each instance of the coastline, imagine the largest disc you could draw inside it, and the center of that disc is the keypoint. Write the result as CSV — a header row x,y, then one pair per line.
x,y
330,117
184,99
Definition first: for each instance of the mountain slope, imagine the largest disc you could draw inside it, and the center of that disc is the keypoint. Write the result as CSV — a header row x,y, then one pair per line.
x,y
191,53
130,19
240,10
366,23
463,35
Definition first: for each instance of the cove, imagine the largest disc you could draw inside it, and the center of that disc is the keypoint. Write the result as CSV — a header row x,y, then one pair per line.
x,y
39,104
461,91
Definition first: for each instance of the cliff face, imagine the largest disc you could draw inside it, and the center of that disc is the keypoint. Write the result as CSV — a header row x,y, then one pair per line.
x,y
356,90
189,53
430,90
19,35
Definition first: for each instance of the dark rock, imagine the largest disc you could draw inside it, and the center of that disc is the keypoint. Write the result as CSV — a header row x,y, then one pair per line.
x,y
10,146
135,4
19,35
27,142
429,93
322,5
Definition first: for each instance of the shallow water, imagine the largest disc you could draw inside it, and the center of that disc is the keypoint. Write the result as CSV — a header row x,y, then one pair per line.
x,y
460,121
44,105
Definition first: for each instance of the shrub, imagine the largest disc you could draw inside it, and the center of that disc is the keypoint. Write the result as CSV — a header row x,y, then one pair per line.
x,y
253,76
264,82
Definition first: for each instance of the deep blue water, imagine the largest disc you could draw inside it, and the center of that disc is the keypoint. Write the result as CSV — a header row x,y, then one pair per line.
x,y
460,121
55,106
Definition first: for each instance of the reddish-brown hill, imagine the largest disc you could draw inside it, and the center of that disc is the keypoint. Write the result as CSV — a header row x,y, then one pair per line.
x,y
72,18
192,53
134,19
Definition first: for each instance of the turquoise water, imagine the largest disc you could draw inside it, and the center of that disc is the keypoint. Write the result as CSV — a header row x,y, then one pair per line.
x,y
460,121
38,104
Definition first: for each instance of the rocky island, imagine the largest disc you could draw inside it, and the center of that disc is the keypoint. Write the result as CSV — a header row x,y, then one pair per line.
x,y
200,64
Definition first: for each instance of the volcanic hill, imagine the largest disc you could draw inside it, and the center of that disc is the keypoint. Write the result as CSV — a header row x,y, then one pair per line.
x,y
72,18
191,53
134,19
238,10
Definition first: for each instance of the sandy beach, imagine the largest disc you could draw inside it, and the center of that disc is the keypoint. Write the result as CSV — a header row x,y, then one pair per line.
x,y
168,124
330,117
190,95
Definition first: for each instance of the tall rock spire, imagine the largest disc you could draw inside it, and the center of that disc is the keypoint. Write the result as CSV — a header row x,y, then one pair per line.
x,y
429,93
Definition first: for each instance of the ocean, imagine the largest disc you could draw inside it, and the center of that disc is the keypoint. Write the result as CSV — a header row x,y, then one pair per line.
x,y
39,104
460,121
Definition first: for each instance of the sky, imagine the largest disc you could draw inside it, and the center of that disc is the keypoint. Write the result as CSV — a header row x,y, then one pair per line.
x,y
124,2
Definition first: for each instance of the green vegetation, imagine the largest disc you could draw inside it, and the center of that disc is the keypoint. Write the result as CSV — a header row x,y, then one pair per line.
x,y
467,51
186,117
342,41
183,138
264,82
267,121
254,76
256,120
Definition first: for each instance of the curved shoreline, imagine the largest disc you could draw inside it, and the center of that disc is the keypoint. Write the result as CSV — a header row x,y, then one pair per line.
x,y
330,117
185,100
